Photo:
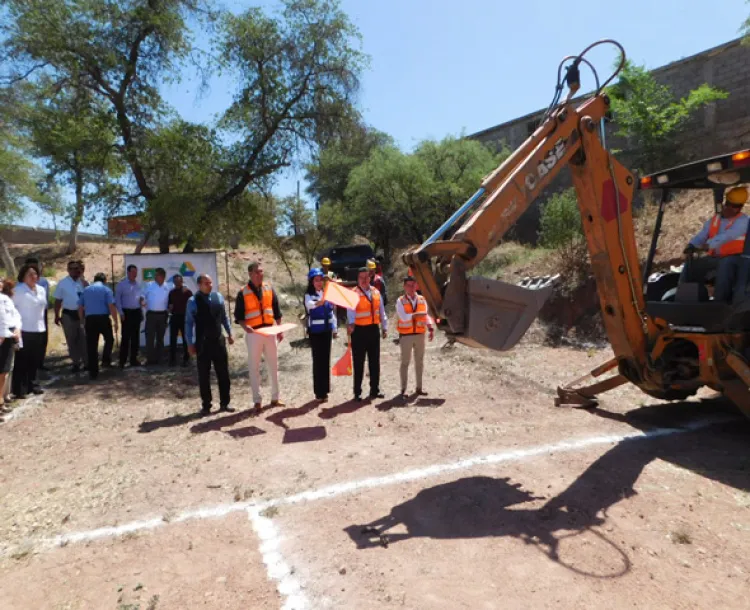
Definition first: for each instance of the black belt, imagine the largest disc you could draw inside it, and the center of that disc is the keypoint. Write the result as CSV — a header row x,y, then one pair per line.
x,y
157,312
131,309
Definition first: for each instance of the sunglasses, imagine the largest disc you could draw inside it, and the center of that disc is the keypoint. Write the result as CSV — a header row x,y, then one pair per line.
x,y
736,206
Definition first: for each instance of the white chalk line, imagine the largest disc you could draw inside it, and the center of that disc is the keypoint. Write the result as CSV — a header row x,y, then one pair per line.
x,y
338,489
276,567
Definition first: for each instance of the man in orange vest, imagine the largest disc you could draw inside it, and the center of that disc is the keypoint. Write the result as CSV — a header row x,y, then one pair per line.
x,y
364,329
413,323
257,306
723,238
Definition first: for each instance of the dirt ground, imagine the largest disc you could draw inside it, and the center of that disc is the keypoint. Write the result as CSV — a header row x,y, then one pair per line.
x,y
115,494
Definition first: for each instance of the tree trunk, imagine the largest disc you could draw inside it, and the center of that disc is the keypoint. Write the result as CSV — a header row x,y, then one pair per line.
x,y
7,259
77,214
163,242
144,240
189,245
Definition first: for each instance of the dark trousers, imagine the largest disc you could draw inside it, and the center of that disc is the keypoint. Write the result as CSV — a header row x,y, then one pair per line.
x,y
177,325
156,326
131,335
28,359
320,344
98,325
213,351
46,335
365,342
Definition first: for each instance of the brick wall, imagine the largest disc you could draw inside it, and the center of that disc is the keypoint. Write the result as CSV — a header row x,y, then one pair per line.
x,y
720,127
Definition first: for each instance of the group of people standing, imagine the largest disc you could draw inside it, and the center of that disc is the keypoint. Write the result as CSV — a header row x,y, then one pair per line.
x,y
87,312
367,323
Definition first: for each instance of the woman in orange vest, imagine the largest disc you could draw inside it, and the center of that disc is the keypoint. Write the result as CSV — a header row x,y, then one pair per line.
x,y
723,238
413,323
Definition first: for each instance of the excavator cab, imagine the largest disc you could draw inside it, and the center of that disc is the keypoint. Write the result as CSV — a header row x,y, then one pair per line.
x,y
682,300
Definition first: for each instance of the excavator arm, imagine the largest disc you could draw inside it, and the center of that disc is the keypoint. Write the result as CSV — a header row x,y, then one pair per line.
x,y
488,313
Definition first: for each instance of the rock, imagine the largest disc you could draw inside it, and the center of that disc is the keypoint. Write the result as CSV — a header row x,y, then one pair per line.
x,y
221,579
342,570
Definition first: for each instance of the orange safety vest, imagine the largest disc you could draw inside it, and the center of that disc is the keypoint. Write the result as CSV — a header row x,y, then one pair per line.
x,y
257,314
368,311
415,325
730,248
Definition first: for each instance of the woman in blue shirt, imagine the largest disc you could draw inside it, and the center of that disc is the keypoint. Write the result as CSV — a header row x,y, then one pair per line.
x,y
322,329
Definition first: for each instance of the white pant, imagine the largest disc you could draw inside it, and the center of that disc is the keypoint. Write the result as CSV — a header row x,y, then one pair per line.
x,y
257,346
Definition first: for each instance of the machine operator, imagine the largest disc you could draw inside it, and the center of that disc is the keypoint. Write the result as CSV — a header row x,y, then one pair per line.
x,y
723,238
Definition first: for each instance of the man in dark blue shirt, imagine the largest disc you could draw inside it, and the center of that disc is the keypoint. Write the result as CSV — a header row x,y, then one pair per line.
x,y
95,306
206,312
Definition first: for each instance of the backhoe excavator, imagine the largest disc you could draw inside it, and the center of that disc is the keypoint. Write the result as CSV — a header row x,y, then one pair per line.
x,y
668,346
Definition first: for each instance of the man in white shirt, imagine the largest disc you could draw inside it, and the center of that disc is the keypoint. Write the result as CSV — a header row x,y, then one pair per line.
x,y
67,294
156,301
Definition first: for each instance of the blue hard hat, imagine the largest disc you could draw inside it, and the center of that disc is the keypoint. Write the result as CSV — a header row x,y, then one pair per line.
x,y
315,272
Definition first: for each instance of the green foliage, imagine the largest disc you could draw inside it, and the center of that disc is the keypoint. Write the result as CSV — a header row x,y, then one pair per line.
x,y
649,115
395,196
328,174
745,30
299,71
560,221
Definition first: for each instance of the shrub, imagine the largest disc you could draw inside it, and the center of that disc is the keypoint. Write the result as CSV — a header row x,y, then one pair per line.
x,y
560,222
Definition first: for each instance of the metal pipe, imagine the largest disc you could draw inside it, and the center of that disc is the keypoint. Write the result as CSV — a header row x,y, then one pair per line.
x,y
454,218
655,238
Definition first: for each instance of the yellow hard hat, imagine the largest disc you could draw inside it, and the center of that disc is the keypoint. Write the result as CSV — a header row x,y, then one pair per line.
x,y
371,265
325,261
737,195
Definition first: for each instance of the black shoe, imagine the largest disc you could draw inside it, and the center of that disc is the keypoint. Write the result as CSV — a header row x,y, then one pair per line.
x,y
378,395
206,410
76,368
37,391
43,368
357,398
227,409
20,396
136,363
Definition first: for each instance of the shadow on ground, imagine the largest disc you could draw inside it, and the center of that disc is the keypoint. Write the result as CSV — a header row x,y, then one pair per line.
x,y
477,507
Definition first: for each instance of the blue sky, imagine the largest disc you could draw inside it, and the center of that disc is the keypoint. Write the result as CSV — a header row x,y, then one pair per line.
x,y
442,67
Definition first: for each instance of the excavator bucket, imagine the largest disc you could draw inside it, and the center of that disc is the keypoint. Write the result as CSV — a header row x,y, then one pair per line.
x,y
499,314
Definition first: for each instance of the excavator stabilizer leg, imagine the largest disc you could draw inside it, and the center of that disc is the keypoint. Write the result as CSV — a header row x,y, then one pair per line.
x,y
585,397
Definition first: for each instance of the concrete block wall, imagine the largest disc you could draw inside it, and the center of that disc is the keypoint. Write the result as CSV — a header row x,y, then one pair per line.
x,y
720,127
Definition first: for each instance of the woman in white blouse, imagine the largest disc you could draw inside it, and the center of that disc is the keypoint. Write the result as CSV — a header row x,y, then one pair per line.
x,y
322,328
31,301
10,335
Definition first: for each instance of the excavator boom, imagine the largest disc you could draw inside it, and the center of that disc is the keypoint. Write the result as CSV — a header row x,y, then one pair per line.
x,y
493,314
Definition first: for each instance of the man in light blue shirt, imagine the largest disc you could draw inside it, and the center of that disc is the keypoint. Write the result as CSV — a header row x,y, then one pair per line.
x,y
95,306
128,298
206,314
67,295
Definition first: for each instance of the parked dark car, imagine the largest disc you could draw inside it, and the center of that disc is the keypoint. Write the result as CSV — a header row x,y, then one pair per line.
x,y
347,260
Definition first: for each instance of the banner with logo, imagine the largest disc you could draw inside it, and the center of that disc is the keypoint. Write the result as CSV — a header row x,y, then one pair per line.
x,y
189,266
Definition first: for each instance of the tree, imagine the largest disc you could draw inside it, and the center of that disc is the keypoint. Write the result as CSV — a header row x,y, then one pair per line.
x,y
648,114
394,197
328,174
299,73
745,30
19,177
74,133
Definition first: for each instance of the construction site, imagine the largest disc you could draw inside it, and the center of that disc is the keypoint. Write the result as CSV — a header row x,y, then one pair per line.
x,y
579,438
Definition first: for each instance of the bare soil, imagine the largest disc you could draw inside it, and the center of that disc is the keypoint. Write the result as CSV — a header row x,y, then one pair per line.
x,y
661,522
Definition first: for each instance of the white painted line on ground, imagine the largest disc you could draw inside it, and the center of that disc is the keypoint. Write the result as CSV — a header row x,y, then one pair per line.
x,y
278,570
221,510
